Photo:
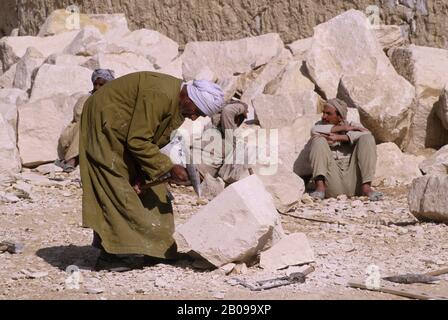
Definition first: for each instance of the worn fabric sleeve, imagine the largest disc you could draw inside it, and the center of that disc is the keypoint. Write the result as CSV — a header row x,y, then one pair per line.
x,y
355,135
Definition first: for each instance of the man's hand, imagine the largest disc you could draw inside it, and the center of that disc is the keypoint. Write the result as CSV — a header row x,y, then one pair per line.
x,y
138,184
333,138
179,174
347,128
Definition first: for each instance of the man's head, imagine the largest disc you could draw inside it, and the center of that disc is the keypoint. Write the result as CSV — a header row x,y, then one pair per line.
x,y
335,111
201,98
100,77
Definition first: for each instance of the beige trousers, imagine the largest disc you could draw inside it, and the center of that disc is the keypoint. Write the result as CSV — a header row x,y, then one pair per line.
x,y
69,141
344,180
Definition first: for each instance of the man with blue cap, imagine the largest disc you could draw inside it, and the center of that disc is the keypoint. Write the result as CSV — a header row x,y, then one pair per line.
x,y
123,127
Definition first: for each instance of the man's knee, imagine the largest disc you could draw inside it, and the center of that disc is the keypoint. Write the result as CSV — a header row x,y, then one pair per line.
x,y
318,142
367,139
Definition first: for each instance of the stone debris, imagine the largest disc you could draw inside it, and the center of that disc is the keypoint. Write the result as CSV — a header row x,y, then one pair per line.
x,y
234,226
293,249
235,229
427,198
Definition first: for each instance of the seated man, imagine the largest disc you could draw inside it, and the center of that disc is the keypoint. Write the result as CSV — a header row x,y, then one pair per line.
x,y
220,164
69,140
343,155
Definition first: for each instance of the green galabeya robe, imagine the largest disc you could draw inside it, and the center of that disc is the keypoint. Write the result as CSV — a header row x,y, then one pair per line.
x,y
123,126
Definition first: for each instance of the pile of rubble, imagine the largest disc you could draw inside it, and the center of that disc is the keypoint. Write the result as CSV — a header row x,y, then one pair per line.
x,y
398,91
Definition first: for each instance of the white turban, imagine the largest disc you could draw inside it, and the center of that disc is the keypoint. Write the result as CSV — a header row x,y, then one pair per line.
x,y
206,95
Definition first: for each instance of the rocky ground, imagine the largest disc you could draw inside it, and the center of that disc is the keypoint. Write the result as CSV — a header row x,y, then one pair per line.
x,y
352,235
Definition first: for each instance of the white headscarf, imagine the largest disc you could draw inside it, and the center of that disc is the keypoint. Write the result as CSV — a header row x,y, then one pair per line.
x,y
206,95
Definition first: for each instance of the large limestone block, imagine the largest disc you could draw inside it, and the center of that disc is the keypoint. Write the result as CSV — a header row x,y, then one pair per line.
x,y
13,48
385,107
66,59
395,167
40,126
427,198
285,187
234,226
9,155
289,81
293,144
226,58
26,68
9,113
13,96
88,42
346,47
122,64
174,68
390,36
436,164
154,46
7,78
55,79
300,48
292,250
426,69
277,111
442,108
60,21
254,84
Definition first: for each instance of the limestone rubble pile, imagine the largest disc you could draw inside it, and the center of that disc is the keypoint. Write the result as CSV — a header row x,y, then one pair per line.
x,y
396,90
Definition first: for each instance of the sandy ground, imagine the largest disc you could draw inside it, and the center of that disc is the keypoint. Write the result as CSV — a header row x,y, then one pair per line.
x,y
383,234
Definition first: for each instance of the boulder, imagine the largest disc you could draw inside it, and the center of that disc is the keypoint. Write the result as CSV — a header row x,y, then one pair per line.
x,y
88,42
390,36
7,78
226,58
285,187
174,68
370,82
427,198
426,69
300,48
293,147
384,112
59,21
442,108
52,80
436,164
154,46
353,115
40,126
13,48
13,96
26,68
289,81
233,227
211,187
66,59
292,250
395,167
229,86
255,82
122,64
277,111
9,155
